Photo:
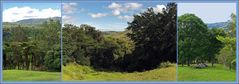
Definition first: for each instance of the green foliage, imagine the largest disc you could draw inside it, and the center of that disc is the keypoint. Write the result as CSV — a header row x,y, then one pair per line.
x,y
196,42
214,45
87,46
228,52
77,45
192,37
31,47
53,59
154,35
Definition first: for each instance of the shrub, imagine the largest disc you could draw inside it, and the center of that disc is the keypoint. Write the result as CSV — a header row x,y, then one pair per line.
x,y
164,64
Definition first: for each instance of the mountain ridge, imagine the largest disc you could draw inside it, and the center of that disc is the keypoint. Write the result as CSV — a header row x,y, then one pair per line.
x,y
217,24
33,21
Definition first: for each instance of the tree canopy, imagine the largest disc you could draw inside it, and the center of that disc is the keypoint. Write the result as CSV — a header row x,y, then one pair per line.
x,y
32,47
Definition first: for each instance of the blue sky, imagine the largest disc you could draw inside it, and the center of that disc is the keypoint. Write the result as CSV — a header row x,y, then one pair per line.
x,y
18,11
105,16
208,12
38,5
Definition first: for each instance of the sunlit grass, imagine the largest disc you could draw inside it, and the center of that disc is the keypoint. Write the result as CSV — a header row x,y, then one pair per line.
x,y
24,75
216,73
75,72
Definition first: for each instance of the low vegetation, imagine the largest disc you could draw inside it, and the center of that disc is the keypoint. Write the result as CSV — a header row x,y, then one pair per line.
x,y
216,73
76,72
24,75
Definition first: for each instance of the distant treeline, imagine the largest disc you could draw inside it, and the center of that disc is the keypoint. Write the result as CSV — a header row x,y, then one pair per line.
x,y
149,40
32,47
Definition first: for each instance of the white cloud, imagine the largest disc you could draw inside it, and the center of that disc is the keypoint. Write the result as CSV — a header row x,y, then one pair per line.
x,y
98,15
133,6
66,19
114,6
19,13
118,9
107,27
116,12
159,8
69,7
126,17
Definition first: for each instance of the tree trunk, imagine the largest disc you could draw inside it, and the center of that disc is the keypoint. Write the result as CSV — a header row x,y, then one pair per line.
x,y
224,63
212,62
32,62
27,60
189,61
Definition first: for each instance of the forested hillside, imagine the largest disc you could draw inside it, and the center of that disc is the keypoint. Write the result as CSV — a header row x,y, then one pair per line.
x,y
32,47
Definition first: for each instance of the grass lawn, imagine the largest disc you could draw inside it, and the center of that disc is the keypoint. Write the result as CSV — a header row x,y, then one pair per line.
x,y
216,73
24,75
75,72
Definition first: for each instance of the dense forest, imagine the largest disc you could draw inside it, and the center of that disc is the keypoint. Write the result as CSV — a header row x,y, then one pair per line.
x,y
198,44
149,40
32,46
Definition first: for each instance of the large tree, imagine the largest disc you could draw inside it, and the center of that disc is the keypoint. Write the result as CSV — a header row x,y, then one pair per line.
x,y
192,39
154,35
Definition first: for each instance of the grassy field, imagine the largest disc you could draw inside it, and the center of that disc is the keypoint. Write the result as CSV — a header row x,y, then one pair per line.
x,y
23,75
74,72
216,73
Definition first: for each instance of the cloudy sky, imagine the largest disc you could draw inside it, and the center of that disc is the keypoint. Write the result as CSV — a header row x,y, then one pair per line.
x,y
13,12
208,12
105,16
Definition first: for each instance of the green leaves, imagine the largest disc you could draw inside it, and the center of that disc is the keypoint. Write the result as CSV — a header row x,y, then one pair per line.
x,y
154,35
228,52
197,42
192,38
52,59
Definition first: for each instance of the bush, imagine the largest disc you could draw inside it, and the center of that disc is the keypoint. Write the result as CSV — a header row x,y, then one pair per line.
x,y
164,64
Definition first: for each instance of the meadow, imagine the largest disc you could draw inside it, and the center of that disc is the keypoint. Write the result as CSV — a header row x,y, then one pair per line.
x,y
216,73
76,72
13,75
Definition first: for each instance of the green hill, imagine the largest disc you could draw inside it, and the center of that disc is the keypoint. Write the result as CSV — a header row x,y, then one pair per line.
x,y
28,22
